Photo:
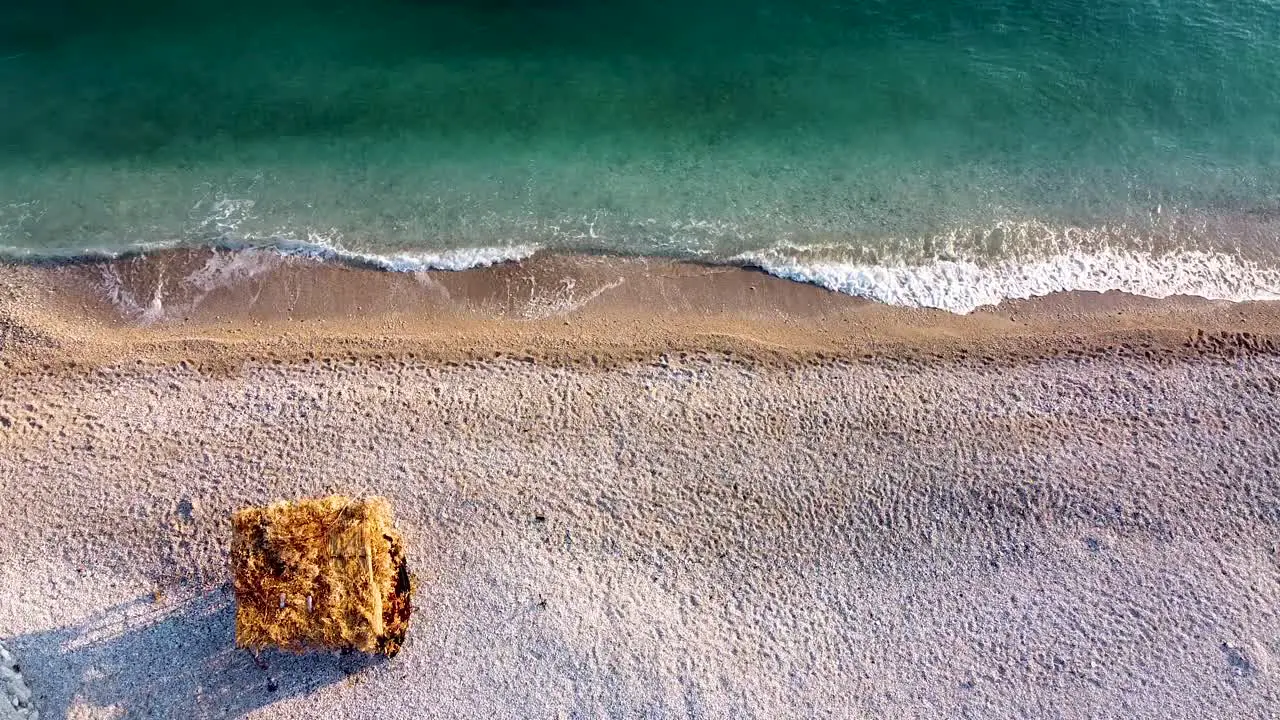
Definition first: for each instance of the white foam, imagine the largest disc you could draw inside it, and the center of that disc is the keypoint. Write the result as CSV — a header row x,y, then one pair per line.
x,y
1070,258
315,248
453,259
318,246
223,269
964,286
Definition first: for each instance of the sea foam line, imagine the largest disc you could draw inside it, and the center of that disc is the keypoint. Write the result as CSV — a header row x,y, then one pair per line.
x,y
315,248
964,286
960,286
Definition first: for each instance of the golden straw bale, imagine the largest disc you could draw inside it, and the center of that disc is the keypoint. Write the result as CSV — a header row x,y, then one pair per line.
x,y
320,573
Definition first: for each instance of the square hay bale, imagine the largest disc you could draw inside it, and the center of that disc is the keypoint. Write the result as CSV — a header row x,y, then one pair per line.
x,y
320,573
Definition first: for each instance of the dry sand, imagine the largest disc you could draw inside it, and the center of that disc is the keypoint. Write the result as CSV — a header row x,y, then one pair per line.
x,y
676,496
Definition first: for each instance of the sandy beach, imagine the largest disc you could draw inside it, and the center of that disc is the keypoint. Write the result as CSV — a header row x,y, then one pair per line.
x,y
642,488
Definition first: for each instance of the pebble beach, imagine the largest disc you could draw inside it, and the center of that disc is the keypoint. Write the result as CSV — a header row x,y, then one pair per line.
x,y
810,507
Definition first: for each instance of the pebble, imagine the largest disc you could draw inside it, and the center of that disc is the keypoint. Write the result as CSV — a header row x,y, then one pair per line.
x,y
17,696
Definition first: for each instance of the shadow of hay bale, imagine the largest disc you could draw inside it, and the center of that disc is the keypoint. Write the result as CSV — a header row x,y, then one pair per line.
x,y
168,660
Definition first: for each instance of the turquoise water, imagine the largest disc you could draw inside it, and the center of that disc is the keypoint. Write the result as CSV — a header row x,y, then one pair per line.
x,y
906,150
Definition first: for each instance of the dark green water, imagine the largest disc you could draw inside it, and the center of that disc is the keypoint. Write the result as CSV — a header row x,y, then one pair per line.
x,y
930,152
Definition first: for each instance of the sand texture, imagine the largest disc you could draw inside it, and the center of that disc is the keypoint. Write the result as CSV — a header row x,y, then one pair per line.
x,y
1022,530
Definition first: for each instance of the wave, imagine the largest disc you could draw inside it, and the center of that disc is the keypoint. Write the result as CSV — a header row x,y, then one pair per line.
x,y
410,261
957,285
964,286
314,248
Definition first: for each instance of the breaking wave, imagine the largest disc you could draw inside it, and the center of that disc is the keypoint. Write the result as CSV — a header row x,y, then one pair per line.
x,y
964,286
1033,260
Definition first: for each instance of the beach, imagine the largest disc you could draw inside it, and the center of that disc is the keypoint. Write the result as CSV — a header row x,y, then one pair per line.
x,y
719,359
634,487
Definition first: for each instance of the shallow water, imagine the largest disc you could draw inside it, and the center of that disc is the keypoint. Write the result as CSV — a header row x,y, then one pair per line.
x,y
919,152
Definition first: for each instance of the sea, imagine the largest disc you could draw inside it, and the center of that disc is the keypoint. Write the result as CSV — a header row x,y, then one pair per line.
x,y
916,152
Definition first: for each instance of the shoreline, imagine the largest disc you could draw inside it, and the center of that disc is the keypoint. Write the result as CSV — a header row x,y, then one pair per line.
x,y
219,309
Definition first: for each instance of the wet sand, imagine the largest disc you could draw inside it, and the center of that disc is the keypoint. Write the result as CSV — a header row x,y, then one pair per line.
x,y
642,488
